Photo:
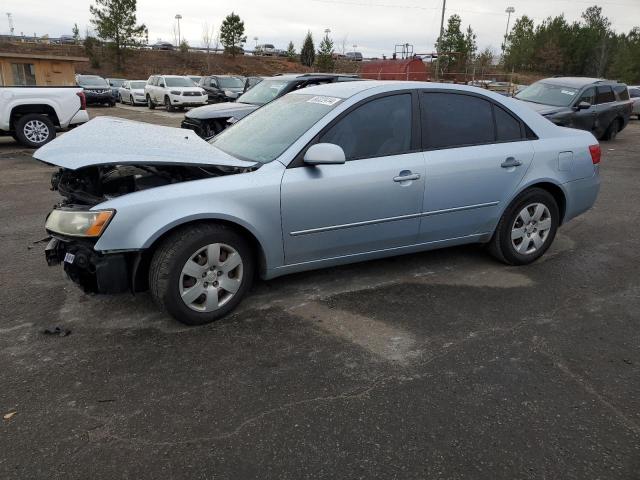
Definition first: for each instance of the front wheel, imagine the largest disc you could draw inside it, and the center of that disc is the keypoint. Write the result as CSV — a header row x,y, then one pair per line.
x,y
167,104
526,229
201,272
150,103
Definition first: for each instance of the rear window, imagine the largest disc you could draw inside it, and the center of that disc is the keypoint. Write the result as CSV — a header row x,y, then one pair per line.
x,y
507,127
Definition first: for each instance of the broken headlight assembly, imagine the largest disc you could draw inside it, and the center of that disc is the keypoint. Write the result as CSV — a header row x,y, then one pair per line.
x,y
79,223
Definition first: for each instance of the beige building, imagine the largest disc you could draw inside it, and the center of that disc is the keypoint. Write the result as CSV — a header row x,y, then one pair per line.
x,y
35,69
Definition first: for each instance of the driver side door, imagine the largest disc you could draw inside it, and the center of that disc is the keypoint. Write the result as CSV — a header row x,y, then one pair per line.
x,y
586,119
370,203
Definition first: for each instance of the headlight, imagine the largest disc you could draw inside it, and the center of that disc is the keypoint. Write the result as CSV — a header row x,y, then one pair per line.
x,y
79,223
175,92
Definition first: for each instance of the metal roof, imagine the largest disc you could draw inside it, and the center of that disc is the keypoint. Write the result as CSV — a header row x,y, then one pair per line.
x,y
35,56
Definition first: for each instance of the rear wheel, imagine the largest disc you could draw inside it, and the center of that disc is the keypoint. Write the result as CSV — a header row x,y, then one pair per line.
x,y
612,132
201,272
34,130
527,228
150,103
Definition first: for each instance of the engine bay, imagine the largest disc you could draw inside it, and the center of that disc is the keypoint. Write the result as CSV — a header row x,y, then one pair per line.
x,y
96,184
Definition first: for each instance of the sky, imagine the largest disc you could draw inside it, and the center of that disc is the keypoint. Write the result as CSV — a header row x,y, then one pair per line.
x,y
374,26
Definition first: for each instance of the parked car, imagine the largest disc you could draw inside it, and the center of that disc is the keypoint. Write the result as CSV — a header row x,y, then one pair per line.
x,y
67,40
173,92
96,90
251,82
31,115
222,88
115,84
266,49
212,119
601,107
323,176
163,46
634,95
132,92
355,56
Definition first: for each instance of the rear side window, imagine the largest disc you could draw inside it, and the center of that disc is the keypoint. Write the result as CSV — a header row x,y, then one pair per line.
x,y
605,95
507,127
454,120
621,92
378,128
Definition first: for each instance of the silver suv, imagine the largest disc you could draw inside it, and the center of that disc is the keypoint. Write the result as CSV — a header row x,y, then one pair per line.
x,y
173,91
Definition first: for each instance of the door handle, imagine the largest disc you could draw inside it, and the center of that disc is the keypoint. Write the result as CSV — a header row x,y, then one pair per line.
x,y
406,178
510,162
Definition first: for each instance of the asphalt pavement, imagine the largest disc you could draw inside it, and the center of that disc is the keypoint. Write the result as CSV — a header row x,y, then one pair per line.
x,y
439,365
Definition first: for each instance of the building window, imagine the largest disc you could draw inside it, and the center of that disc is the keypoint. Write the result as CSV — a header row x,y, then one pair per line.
x,y
23,73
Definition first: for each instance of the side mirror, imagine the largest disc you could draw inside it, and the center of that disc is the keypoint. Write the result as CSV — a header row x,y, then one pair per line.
x,y
583,106
324,154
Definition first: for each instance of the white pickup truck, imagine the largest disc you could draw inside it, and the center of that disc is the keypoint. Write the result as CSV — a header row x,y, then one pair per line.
x,y
32,115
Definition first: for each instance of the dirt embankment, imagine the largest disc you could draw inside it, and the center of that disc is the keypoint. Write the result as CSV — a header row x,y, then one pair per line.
x,y
142,63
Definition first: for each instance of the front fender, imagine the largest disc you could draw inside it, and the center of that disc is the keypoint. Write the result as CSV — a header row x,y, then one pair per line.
x,y
250,200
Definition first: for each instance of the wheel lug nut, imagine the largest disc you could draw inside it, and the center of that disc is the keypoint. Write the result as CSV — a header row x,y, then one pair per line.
x,y
215,284
204,274
206,284
219,273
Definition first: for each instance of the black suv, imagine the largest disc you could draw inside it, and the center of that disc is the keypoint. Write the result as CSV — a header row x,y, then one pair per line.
x,y
210,120
96,90
222,88
601,107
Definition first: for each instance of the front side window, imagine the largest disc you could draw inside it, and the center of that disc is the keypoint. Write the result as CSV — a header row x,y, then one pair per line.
x,y
634,92
589,96
23,73
274,128
605,95
378,128
454,120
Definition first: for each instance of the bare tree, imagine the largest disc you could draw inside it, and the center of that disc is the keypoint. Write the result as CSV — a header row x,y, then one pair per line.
x,y
207,40
343,45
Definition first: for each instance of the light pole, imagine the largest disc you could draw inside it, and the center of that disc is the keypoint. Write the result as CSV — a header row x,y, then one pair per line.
x,y
354,47
178,17
509,11
327,31
444,6
10,18
256,40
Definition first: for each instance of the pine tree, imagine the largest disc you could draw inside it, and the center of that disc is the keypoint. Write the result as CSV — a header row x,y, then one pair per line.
x,y
308,53
291,51
325,59
232,34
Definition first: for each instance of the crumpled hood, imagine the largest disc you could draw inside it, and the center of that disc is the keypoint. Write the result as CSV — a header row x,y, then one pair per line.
x,y
222,110
114,141
544,109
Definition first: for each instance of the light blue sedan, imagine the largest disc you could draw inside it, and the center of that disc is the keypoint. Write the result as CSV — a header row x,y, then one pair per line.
x,y
324,176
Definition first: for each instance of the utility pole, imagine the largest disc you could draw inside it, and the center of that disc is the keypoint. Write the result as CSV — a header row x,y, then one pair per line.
x,y
509,10
178,17
10,18
444,6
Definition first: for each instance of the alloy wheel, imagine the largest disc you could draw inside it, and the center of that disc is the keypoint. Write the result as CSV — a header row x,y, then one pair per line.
x,y
531,228
211,277
36,131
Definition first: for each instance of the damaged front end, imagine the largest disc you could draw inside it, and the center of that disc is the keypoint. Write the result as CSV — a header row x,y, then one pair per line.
x,y
77,221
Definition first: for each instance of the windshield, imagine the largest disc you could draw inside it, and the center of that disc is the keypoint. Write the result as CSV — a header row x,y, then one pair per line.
x,y
178,82
92,81
274,127
230,82
264,92
548,94
138,85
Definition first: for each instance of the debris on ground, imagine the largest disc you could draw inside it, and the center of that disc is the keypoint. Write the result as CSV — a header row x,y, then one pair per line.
x,y
9,415
59,331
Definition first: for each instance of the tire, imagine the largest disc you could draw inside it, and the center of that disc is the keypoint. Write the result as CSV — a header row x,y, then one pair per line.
x,y
515,251
187,248
34,130
150,103
167,104
612,131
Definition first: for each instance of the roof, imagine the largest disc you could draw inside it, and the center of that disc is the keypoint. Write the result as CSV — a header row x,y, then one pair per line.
x,y
575,82
309,76
34,56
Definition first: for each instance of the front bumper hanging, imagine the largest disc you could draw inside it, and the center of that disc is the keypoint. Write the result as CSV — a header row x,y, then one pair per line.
x,y
94,272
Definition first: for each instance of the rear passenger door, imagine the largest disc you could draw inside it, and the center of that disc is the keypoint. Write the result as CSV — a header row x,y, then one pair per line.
x,y
477,153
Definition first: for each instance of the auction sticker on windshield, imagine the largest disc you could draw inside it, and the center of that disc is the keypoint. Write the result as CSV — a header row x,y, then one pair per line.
x,y
568,92
324,100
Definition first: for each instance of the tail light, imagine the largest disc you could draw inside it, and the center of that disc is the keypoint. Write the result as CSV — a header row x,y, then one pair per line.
x,y
83,100
596,153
